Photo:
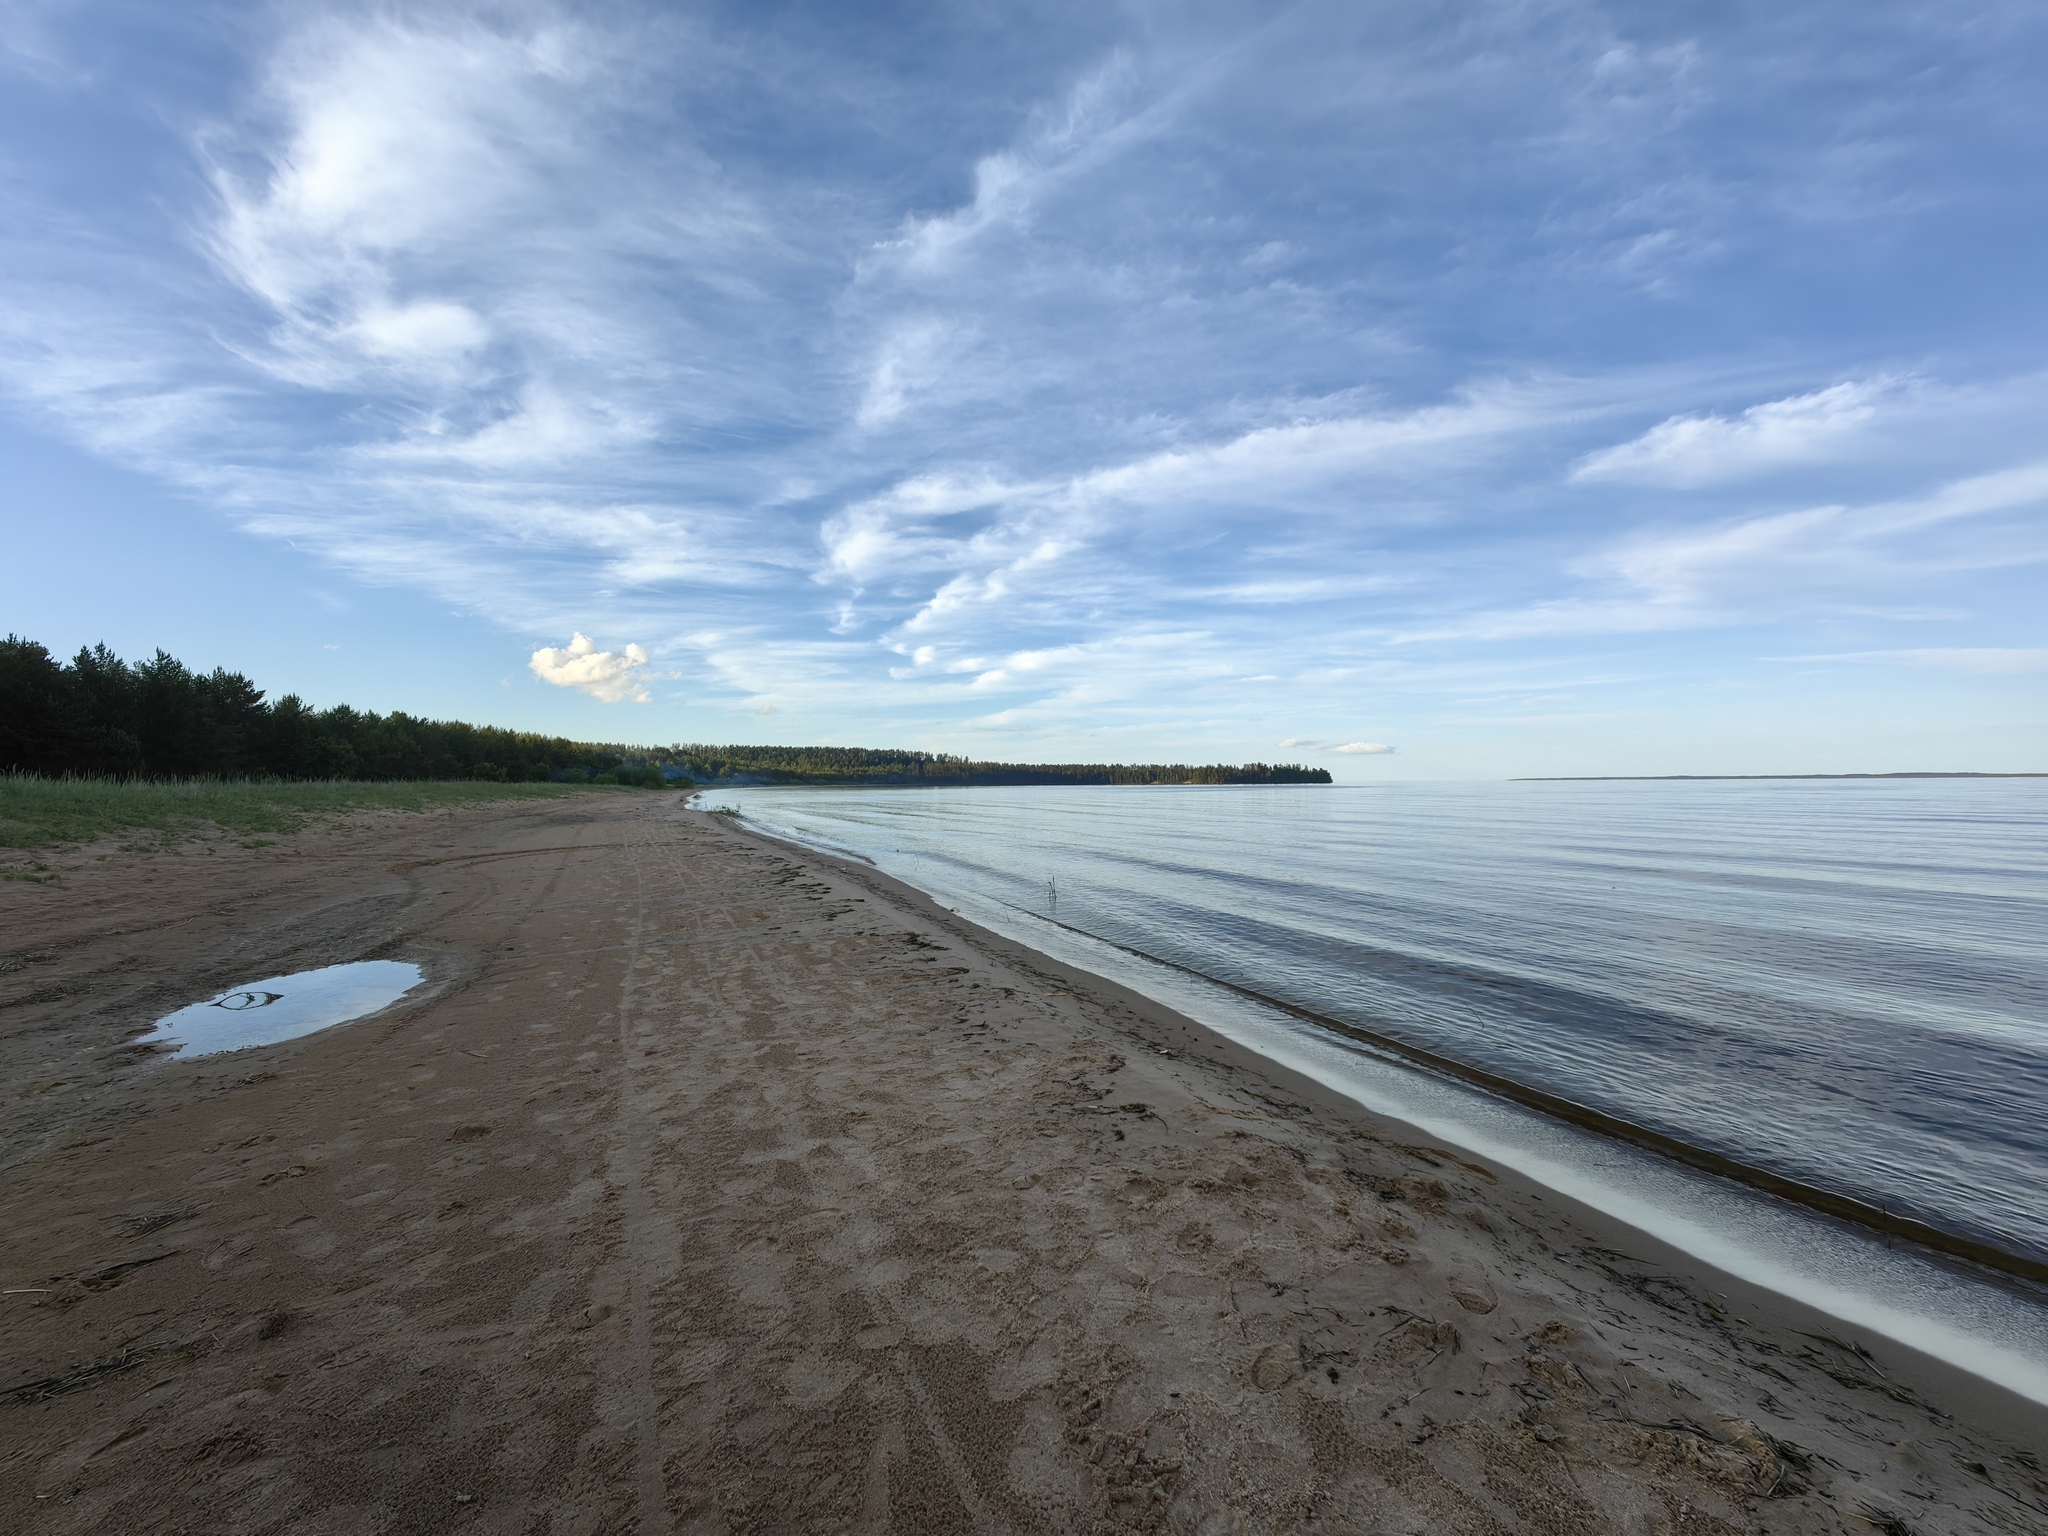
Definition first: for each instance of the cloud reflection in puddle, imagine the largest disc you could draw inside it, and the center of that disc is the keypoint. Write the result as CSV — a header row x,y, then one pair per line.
x,y
283,1007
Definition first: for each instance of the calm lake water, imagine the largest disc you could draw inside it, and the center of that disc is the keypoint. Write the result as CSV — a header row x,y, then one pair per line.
x,y
1842,982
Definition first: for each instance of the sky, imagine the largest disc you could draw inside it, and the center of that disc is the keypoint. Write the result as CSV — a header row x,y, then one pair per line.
x,y
1446,391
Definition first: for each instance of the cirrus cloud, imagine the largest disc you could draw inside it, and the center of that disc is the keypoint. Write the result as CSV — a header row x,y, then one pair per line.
x,y
1687,451
1348,749
1039,387
1993,661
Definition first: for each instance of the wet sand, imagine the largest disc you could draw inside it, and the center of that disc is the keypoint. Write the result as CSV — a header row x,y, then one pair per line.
x,y
710,1185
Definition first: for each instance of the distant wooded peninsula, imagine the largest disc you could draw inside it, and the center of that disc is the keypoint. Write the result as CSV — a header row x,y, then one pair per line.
x,y
101,717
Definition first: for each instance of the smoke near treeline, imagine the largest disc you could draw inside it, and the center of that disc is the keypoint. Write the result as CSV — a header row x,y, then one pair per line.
x,y
99,716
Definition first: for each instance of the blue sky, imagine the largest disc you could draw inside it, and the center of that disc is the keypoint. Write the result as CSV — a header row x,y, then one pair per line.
x,y
1527,388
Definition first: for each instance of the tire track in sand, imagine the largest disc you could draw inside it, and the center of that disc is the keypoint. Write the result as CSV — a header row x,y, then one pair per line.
x,y
634,1167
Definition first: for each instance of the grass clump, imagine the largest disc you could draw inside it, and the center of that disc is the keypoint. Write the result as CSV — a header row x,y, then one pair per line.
x,y
38,812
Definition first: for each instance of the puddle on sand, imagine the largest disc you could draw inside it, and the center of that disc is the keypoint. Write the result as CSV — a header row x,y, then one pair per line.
x,y
284,1007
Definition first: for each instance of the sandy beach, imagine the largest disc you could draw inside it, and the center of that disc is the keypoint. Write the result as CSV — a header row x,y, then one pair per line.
x,y
710,1185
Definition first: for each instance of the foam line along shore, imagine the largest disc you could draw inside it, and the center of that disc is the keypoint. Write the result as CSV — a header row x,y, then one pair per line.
x,y
1903,1285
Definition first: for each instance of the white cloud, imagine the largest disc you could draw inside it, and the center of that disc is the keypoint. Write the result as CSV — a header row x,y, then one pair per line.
x,y
1023,530
1820,548
606,675
908,362
1990,661
1080,133
964,592
1267,462
893,534
1876,559
1687,451
403,140
427,329
545,428
1348,749
464,301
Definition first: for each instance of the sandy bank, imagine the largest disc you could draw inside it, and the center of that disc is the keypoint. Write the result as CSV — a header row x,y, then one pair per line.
x,y
711,1186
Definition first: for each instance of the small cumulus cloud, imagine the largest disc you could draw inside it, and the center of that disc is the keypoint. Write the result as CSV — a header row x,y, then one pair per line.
x,y
606,675
1688,451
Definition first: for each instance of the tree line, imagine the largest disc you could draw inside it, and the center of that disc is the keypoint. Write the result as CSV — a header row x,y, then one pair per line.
x,y
865,765
98,716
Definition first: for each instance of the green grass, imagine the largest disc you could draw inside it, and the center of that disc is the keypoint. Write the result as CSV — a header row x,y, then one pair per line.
x,y
48,813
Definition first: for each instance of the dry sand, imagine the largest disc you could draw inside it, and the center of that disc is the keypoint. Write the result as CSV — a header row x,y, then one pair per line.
x,y
713,1186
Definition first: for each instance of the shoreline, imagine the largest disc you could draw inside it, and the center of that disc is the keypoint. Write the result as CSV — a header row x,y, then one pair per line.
x,y
1999,1263
2001,1405
2005,1340
714,1183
